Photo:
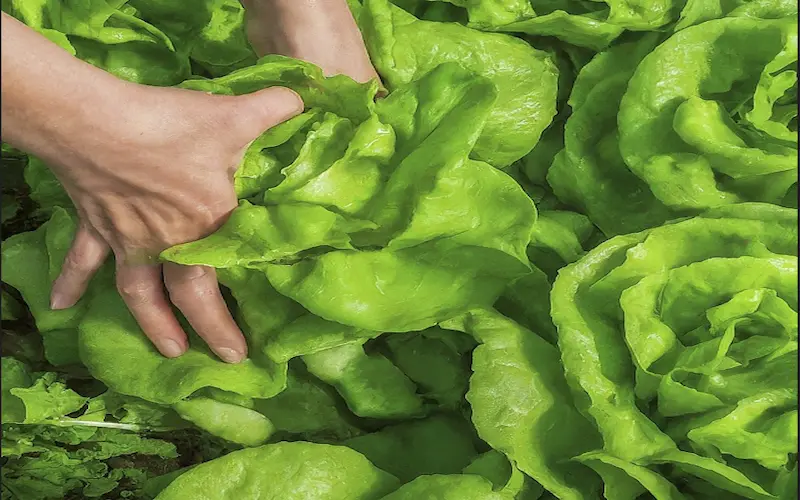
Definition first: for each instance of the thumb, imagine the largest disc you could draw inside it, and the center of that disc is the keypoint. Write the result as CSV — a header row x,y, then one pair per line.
x,y
262,110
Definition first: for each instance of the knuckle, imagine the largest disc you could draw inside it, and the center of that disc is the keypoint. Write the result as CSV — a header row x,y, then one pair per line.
x,y
136,293
178,276
188,295
190,286
79,262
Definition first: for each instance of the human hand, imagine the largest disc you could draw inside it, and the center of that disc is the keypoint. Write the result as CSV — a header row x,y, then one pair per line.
x,y
322,32
154,171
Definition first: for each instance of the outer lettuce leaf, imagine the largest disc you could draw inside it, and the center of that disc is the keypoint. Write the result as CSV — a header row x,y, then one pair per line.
x,y
107,34
627,480
698,124
370,384
586,24
436,445
435,360
589,173
11,309
440,487
532,420
9,209
230,421
108,329
309,408
15,375
309,334
45,189
690,326
583,30
404,49
505,477
338,94
31,262
698,11
291,471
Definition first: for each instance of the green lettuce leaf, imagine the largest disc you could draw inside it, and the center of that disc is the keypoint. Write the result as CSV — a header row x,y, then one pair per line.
x,y
590,173
309,408
404,49
441,487
361,261
31,262
229,421
533,419
109,35
586,24
439,444
108,329
293,471
702,127
691,327
370,384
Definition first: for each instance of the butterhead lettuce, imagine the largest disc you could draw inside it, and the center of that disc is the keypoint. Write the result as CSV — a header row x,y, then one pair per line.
x,y
680,345
552,254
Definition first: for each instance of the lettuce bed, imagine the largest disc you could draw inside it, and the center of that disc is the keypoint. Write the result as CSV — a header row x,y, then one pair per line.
x,y
557,260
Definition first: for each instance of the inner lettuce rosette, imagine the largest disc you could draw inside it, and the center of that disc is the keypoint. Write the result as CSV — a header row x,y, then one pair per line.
x,y
680,346
710,116
639,152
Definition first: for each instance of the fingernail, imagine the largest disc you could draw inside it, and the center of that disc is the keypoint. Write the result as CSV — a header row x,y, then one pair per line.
x,y
229,355
170,348
58,301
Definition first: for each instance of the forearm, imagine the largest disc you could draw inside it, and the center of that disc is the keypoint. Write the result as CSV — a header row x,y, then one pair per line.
x,y
48,95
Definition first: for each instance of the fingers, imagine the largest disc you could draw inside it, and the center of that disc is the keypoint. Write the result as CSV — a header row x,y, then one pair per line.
x,y
85,257
142,289
195,291
267,108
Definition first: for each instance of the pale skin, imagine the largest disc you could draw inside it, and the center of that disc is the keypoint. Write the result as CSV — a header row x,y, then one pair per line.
x,y
107,140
